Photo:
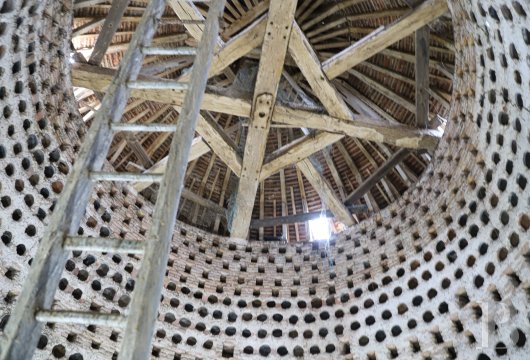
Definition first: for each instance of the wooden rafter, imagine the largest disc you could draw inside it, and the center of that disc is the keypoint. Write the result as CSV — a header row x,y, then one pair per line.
x,y
375,177
220,143
381,39
108,30
237,47
325,191
270,69
98,79
422,77
303,217
188,11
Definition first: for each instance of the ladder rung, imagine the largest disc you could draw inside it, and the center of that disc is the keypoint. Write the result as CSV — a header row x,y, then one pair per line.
x,y
125,177
158,84
143,127
81,317
170,51
111,245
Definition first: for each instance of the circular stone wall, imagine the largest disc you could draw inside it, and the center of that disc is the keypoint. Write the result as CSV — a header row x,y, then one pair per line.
x,y
421,280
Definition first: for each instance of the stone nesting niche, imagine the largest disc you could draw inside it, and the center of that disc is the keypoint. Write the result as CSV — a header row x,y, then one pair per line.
x,y
417,281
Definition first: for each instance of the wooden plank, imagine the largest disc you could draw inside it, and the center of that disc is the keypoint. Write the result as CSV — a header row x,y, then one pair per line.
x,y
379,40
245,20
334,173
144,308
198,149
307,60
22,332
187,11
236,48
89,26
208,204
305,208
422,77
307,145
374,178
368,198
112,21
283,194
220,143
390,94
98,79
296,151
274,49
325,192
303,217
202,185
261,231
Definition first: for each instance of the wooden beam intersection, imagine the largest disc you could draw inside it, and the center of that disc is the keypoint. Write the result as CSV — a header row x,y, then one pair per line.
x,y
375,177
274,50
384,37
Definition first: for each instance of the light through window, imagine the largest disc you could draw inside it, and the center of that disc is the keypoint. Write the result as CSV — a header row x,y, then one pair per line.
x,y
319,229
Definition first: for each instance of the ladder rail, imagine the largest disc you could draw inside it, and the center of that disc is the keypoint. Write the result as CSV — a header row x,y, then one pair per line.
x,y
23,329
144,309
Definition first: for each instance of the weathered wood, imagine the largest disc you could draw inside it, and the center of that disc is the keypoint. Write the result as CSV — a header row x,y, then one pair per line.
x,y
261,231
202,185
198,149
89,26
325,192
422,77
249,17
194,24
22,332
293,208
208,204
368,198
334,173
107,31
274,49
236,48
390,94
309,65
221,144
285,212
144,308
374,178
379,40
98,79
112,49
296,151
303,217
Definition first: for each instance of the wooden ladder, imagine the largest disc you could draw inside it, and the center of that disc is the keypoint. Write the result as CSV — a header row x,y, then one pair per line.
x,y
34,304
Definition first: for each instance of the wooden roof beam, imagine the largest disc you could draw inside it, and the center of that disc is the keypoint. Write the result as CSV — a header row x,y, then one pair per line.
x,y
326,192
274,50
112,21
422,77
236,48
375,177
247,18
302,217
220,143
188,11
307,60
381,39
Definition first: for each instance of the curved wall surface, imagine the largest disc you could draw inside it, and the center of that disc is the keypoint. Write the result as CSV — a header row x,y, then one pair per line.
x,y
423,279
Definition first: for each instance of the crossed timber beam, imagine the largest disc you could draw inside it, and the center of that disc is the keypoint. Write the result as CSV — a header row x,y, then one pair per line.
x,y
379,40
98,79
274,50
